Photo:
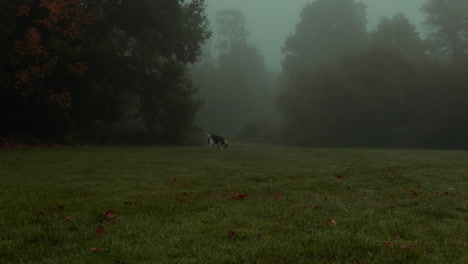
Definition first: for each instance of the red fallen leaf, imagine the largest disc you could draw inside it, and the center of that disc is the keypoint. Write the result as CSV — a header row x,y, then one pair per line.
x,y
330,259
339,176
100,230
358,262
388,243
277,196
391,207
187,186
240,196
318,207
332,222
68,218
404,247
60,206
109,214
41,213
232,234
447,194
174,180
414,193
95,249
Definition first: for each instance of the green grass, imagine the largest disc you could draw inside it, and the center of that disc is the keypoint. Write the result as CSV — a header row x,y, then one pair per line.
x,y
175,205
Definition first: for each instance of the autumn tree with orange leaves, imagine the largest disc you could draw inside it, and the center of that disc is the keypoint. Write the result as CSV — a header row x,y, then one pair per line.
x,y
69,66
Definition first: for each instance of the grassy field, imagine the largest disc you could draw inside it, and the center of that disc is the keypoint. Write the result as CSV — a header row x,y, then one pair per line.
x,y
251,204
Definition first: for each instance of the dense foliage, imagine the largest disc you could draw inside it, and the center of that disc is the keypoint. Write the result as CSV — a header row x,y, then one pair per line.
x,y
396,90
72,66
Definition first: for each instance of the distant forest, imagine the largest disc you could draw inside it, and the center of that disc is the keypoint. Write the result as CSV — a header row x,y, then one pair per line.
x,y
110,71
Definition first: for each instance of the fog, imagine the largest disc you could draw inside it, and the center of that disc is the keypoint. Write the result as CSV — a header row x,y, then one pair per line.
x,y
310,72
270,22
337,73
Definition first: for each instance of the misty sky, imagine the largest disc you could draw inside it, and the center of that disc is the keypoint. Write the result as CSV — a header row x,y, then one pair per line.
x,y
270,22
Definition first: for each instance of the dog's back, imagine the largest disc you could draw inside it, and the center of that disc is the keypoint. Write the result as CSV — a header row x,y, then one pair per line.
x,y
218,140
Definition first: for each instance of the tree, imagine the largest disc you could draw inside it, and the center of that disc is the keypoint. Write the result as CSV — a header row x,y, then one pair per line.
x,y
327,29
44,59
447,22
158,39
366,100
75,64
234,88
398,32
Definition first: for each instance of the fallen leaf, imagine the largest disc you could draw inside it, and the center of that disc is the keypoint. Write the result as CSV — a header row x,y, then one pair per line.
x,y
404,247
60,206
339,176
277,196
240,196
388,243
332,222
41,213
109,214
95,249
68,218
414,193
447,194
232,234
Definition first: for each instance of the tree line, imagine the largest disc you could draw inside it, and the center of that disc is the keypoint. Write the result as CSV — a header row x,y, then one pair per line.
x,y
345,86
233,79
69,67
74,69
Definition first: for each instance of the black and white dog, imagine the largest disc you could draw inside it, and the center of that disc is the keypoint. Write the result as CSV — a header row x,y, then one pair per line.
x,y
218,140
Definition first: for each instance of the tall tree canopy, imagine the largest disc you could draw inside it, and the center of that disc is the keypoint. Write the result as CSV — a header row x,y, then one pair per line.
x,y
235,88
447,21
398,32
74,64
389,93
327,29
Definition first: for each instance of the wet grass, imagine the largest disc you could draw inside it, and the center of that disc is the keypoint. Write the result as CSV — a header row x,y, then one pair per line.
x,y
251,204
